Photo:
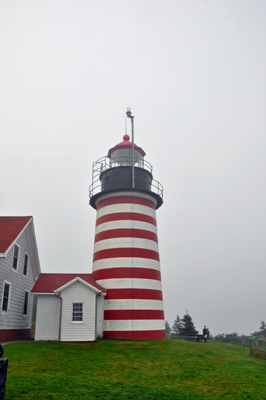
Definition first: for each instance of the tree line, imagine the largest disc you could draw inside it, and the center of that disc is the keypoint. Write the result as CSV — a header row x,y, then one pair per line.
x,y
185,327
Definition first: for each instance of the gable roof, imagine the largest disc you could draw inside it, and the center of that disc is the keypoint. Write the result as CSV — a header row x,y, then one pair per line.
x,y
48,283
10,229
78,279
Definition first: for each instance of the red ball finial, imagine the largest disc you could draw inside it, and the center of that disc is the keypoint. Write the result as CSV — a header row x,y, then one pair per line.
x,y
126,138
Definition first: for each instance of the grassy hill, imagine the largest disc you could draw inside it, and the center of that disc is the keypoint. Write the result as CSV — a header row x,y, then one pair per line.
x,y
146,370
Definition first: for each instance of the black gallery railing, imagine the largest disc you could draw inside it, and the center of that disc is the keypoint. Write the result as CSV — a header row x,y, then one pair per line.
x,y
104,163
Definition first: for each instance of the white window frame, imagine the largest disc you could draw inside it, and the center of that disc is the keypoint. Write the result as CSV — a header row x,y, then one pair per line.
x,y
26,254
26,291
72,316
3,312
15,269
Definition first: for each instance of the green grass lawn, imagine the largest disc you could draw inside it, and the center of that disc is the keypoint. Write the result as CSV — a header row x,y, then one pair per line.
x,y
120,369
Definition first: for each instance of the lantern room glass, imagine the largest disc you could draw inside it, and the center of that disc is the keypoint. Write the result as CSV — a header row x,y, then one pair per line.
x,y
123,158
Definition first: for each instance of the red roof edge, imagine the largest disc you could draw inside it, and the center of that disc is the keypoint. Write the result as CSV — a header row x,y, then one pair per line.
x,y
48,283
126,144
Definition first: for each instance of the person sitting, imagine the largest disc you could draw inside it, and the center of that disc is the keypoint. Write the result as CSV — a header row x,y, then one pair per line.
x,y
208,332
205,331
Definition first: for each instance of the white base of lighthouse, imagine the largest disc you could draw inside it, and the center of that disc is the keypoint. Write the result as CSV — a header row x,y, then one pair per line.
x,y
126,262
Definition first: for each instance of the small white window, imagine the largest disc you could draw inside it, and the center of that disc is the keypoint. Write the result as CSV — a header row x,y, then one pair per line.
x,y
77,315
26,302
6,297
26,261
15,257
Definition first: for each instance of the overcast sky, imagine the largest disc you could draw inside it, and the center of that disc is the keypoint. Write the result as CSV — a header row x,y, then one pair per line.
x,y
193,73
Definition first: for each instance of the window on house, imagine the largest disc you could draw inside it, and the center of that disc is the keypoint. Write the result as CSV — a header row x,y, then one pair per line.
x,y
6,294
26,260
15,257
26,301
77,314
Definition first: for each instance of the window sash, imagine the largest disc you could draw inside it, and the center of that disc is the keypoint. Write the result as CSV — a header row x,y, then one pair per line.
x,y
15,257
26,301
26,260
6,297
77,314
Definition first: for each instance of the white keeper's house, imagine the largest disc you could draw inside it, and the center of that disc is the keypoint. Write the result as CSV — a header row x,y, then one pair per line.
x,y
70,308
19,269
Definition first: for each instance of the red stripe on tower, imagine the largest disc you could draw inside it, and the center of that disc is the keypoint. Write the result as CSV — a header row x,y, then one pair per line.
x,y
125,252
118,233
126,256
137,273
135,314
126,216
136,335
126,199
141,294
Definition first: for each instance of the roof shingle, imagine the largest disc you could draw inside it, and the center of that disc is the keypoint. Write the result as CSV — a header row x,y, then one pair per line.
x,y
10,228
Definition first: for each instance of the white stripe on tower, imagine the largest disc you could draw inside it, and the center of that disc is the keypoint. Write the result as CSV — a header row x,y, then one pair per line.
x,y
126,262
119,242
136,304
126,225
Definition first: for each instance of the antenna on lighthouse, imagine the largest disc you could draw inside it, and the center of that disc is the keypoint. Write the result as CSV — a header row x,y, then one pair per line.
x,y
129,115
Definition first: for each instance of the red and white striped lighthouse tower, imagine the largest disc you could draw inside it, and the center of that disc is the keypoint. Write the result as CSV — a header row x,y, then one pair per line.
x,y
126,255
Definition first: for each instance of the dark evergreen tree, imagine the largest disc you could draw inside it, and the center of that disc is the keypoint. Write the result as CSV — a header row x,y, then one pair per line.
x,y
176,325
187,327
262,331
167,328
263,328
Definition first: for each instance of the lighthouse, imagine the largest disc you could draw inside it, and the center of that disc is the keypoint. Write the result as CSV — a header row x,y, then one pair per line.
x,y
126,255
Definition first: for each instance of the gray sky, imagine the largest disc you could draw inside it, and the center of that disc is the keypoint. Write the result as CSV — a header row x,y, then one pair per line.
x,y
193,73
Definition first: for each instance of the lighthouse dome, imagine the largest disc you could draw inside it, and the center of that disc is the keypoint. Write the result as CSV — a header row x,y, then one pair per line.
x,y
121,154
126,144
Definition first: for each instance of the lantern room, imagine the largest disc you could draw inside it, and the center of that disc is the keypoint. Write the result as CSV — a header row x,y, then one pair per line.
x,y
121,154
114,172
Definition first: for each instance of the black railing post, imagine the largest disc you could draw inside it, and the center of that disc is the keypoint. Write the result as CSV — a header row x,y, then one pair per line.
x,y
3,374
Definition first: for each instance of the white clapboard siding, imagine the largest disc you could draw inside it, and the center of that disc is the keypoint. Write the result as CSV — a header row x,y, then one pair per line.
x,y
19,283
78,331
47,318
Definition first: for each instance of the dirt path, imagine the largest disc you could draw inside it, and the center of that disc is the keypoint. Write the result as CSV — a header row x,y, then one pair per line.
x,y
16,341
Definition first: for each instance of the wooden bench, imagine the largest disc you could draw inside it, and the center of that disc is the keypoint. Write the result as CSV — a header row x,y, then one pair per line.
x,y
200,336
